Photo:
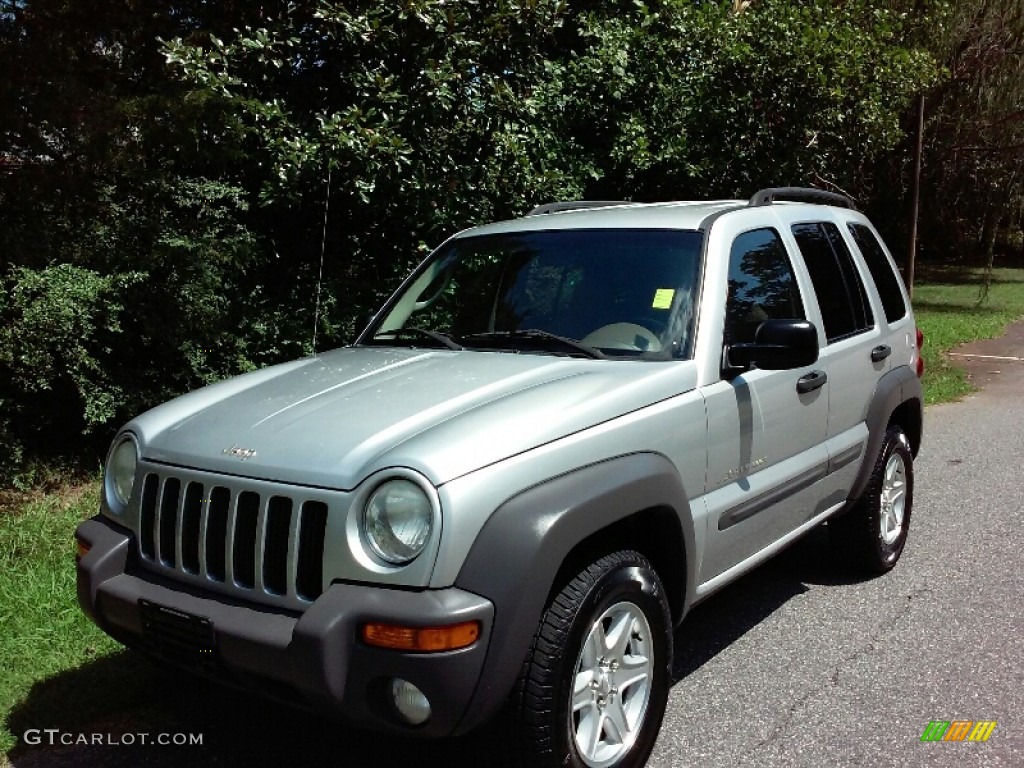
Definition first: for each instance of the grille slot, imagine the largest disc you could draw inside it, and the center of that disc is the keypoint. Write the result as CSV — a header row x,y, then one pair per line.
x,y
169,520
246,521
191,513
148,515
275,548
217,533
310,571
248,538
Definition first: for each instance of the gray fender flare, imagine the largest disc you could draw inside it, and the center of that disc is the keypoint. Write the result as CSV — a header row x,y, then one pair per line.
x,y
517,555
894,389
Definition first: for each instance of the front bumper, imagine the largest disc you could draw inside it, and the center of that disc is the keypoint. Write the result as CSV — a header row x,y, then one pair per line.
x,y
312,659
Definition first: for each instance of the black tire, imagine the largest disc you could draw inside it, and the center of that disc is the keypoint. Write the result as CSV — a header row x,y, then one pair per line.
x,y
541,722
864,537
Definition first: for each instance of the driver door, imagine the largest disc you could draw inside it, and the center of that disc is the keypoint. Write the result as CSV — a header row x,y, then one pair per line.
x,y
766,445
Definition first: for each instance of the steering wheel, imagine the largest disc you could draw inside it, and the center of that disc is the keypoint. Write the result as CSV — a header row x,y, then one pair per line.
x,y
652,323
631,336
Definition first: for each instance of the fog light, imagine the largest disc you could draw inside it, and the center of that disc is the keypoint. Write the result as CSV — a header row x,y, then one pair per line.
x,y
410,701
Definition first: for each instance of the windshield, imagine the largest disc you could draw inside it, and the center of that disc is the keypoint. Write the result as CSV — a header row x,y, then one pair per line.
x,y
597,293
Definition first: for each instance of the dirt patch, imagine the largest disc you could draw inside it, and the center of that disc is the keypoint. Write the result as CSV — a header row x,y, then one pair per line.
x,y
70,492
991,360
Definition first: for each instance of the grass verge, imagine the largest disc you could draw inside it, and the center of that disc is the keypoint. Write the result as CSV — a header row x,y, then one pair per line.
x,y
947,311
44,630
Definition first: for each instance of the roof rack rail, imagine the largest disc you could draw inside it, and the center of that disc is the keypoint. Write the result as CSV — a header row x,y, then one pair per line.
x,y
572,205
801,195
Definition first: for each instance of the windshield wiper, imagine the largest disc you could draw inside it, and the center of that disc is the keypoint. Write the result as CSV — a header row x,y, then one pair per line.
x,y
443,339
536,336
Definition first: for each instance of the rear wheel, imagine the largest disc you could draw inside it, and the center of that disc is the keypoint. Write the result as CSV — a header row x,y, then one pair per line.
x,y
593,687
871,536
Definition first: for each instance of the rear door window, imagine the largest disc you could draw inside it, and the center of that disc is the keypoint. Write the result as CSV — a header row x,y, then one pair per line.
x,y
845,310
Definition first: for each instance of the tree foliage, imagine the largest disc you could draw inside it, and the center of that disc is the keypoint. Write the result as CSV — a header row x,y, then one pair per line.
x,y
170,178
975,132
692,99
126,229
422,115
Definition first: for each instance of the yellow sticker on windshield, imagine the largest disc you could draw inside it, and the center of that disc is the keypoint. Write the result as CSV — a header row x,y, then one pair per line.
x,y
663,298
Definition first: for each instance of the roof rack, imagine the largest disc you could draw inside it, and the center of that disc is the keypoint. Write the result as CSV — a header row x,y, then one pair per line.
x,y
801,195
572,205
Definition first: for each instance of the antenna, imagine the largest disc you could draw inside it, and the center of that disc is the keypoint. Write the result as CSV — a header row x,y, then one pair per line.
x,y
323,247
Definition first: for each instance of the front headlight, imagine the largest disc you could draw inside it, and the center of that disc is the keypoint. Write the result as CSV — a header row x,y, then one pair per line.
x,y
397,521
121,472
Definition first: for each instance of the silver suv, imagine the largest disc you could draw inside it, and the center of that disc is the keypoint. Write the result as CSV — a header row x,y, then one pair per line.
x,y
558,435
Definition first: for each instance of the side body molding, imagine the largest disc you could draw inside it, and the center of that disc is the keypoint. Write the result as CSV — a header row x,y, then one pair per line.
x,y
900,385
517,555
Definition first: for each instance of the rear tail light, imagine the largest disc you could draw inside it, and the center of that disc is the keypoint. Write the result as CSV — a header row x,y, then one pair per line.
x,y
920,358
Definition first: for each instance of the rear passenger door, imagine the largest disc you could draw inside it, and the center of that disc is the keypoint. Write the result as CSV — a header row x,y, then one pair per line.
x,y
893,314
856,351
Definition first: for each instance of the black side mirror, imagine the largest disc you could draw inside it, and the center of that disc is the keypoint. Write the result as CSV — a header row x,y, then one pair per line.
x,y
778,345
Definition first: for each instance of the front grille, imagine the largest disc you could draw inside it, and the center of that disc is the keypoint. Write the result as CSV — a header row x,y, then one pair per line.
x,y
255,542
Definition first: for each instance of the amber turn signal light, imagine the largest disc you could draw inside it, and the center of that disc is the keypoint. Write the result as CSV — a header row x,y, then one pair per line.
x,y
81,548
422,639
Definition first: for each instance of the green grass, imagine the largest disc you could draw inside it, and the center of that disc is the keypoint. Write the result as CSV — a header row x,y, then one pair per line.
x,y
59,670
946,309
44,632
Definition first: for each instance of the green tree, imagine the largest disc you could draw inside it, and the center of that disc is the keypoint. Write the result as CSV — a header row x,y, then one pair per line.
x,y
422,115
126,230
697,99
974,148
170,179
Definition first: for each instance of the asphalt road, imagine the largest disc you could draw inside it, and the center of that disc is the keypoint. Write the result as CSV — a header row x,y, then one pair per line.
x,y
794,665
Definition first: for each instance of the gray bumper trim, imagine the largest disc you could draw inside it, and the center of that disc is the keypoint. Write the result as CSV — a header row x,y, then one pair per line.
x,y
313,659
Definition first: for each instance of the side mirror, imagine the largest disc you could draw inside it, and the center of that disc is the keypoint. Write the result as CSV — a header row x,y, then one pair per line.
x,y
778,345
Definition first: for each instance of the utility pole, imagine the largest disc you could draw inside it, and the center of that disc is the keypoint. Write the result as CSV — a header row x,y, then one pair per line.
x,y
915,195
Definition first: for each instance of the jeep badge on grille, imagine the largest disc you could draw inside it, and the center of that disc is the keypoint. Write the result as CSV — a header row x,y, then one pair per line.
x,y
241,453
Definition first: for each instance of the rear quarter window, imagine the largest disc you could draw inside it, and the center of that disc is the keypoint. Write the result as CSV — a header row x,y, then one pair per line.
x,y
882,271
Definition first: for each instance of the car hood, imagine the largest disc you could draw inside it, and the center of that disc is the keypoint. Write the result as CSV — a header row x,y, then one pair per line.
x,y
336,418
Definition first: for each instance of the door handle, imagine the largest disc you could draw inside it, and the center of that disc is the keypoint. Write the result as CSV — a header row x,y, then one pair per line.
x,y
880,352
812,381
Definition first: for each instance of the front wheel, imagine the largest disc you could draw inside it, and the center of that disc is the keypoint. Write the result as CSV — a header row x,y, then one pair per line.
x,y
593,687
872,535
